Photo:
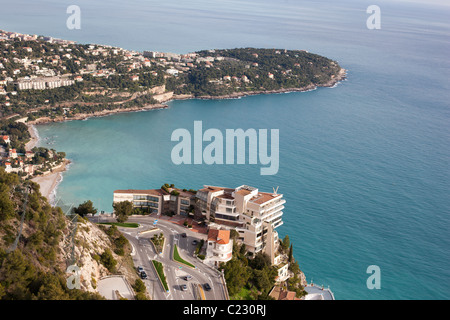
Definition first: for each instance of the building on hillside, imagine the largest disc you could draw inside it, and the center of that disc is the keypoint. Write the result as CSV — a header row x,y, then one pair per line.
x,y
29,154
159,201
279,293
6,139
219,247
173,72
8,167
253,214
13,153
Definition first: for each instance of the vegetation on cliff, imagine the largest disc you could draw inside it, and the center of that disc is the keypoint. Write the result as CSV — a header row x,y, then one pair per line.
x,y
35,269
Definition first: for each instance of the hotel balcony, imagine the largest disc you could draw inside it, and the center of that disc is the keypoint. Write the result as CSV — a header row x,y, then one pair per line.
x,y
273,216
273,209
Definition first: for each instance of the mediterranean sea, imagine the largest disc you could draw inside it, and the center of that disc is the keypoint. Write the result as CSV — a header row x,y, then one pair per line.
x,y
364,166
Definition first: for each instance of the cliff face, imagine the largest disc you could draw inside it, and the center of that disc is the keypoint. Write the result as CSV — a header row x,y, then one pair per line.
x,y
91,242
37,247
88,244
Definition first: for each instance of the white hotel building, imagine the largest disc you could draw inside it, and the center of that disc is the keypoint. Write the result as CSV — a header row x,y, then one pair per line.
x,y
253,214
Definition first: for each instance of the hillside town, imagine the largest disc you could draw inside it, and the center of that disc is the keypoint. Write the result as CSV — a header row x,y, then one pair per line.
x,y
44,76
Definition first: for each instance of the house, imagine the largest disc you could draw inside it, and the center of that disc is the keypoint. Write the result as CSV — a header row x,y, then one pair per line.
x,y
8,167
270,75
6,139
173,72
134,77
219,247
13,153
280,293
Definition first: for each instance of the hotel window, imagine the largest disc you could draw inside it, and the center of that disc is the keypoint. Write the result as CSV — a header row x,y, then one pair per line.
x,y
225,217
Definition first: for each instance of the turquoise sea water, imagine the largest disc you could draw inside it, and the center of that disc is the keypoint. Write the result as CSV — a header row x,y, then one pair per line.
x,y
364,166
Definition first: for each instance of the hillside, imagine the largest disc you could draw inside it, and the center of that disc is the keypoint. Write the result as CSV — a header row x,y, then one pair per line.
x,y
35,270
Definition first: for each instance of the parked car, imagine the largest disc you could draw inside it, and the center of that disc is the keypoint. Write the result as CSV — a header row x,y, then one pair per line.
x,y
140,269
183,287
187,278
143,275
194,242
183,235
206,287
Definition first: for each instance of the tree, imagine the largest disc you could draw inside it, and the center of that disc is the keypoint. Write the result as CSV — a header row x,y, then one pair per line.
x,y
85,208
108,260
6,205
260,261
242,249
2,291
291,250
236,276
122,210
139,286
285,243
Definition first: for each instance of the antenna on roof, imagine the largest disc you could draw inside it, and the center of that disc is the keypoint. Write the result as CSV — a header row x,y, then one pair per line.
x,y
275,190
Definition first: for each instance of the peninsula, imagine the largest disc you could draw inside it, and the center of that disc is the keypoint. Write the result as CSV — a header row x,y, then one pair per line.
x,y
46,79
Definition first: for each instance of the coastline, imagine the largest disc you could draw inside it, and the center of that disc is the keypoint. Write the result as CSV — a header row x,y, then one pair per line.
x,y
330,84
103,113
236,95
34,137
48,182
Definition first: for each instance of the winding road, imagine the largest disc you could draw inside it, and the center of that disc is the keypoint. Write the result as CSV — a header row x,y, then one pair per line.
x,y
143,253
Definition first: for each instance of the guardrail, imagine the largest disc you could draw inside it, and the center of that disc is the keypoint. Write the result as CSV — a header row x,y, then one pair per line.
x,y
149,230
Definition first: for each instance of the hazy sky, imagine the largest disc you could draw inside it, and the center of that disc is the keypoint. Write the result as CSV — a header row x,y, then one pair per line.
x,y
439,2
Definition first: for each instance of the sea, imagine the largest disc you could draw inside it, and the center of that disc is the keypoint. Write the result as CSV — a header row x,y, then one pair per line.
x,y
364,166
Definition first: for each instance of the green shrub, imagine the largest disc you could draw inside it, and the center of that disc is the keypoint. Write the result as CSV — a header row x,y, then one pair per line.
x,y
108,260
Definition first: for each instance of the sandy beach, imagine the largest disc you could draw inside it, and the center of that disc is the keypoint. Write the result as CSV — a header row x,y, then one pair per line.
x,y
48,182
34,138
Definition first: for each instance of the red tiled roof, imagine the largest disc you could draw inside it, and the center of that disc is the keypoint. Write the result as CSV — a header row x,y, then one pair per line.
x,y
263,197
219,236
